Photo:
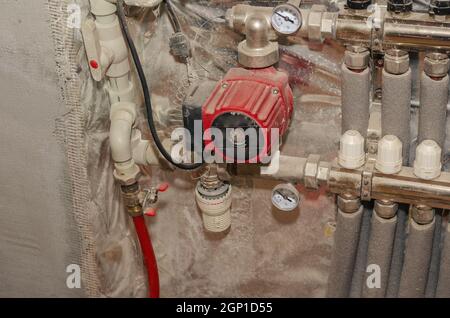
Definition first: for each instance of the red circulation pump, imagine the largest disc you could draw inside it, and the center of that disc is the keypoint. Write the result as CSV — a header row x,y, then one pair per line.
x,y
247,104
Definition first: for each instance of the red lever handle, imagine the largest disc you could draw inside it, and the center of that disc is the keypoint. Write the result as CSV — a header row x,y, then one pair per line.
x,y
163,187
150,212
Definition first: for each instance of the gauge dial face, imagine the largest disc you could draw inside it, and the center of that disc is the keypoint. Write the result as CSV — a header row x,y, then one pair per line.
x,y
285,197
286,19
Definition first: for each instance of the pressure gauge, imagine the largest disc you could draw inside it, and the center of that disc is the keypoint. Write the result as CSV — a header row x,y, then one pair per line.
x,y
286,19
285,197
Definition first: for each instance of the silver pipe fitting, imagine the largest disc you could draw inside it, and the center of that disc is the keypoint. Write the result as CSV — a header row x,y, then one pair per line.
x,y
422,214
436,65
356,57
396,61
385,209
257,51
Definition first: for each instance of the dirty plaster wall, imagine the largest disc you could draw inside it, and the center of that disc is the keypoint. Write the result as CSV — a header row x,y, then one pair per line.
x,y
38,234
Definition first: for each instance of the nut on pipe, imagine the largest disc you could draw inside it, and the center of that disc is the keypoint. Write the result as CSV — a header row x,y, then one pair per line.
x,y
385,209
348,203
436,65
396,61
422,214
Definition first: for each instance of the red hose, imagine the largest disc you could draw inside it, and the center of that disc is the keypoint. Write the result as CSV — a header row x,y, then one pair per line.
x,y
149,256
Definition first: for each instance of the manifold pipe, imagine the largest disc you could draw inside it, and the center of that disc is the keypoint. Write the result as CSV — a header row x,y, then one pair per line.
x,y
355,90
443,286
434,83
396,99
419,246
381,243
349,216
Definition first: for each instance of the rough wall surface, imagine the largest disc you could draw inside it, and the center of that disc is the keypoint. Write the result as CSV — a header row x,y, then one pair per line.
x,y
38,234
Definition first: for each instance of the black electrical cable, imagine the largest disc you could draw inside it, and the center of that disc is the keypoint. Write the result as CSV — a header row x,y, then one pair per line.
x,y
146,91
173,17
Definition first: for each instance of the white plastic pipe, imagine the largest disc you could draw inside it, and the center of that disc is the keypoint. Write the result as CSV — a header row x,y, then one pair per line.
x,y
120,136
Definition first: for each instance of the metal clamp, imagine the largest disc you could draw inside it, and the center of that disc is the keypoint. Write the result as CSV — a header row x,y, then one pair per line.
x,y
366,179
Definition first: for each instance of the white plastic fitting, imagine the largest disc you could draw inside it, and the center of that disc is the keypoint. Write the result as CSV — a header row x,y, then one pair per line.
x,y
123,116
216,212
389,158
351,153
427,164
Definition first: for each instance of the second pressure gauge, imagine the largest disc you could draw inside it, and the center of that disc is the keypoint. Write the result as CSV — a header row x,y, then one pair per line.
x,y
286,19
285,197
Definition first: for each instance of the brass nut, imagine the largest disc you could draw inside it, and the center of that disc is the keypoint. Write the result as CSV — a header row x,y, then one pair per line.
x,y
385,209
422,214
396,61
327,26
311,169
356,57
315,26
436,65
348,204
323,172
258,58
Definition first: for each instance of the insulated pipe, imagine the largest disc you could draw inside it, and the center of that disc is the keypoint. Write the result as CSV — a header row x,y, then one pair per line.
x,y
417,260
345,248
443,286
358,279
355,90
433,275
396,99
433,101
395,271
381,242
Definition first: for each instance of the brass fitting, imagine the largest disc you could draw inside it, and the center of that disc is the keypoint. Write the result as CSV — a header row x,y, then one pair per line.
x,y
257,51
356,57
422,214
436,65
316,23
348,203
396,61
130,194
385,209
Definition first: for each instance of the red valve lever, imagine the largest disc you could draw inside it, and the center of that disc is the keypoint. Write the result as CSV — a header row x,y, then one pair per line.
x,y
150,212
163,187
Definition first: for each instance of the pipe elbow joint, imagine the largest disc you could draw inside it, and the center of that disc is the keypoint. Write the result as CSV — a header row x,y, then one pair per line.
x,y
120,140
123,116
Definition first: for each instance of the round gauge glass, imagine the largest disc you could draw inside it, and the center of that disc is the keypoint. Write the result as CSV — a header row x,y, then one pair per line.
x,y
286,19
285,197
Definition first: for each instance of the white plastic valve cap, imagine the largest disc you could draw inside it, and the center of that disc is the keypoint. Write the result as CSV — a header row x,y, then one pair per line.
x,y
428,160
351,154
389,158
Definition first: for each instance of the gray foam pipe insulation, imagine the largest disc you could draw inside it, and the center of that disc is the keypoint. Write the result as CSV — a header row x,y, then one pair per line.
x,y
355,100
396,105
382,234
433,109
395,120
443,286
417,260
344,254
